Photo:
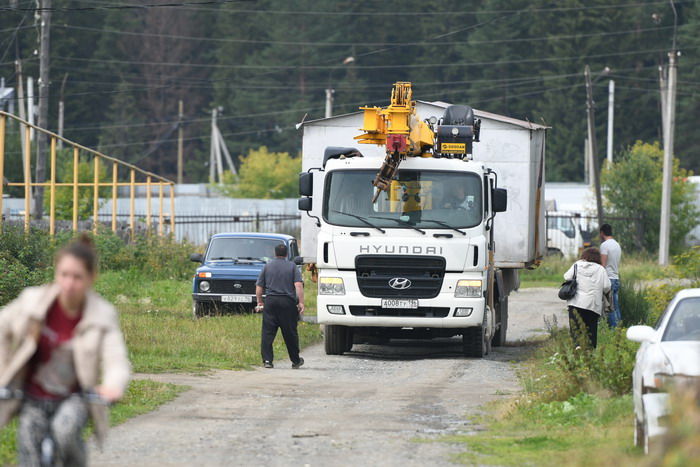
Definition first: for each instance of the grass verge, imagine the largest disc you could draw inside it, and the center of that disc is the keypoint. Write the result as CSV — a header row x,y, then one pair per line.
x,y
584,430
162,336
143,396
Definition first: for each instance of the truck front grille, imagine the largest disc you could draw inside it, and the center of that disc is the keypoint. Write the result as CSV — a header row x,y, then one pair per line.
x,y
421,312
425,273
228,286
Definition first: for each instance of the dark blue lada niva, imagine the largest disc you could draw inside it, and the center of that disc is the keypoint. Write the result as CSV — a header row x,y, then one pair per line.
x,y
226,279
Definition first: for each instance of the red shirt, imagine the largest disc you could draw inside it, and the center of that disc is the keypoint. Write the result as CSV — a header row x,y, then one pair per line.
x,y
52,374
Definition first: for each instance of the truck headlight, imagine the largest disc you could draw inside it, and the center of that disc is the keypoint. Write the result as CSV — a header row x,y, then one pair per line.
x,y
468,288
331,286
204,286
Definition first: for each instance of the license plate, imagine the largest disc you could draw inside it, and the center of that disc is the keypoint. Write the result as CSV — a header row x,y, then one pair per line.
x,y
456,148
236,299
399,303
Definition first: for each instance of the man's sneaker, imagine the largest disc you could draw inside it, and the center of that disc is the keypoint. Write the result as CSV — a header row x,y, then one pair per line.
x,y
267,364
298,365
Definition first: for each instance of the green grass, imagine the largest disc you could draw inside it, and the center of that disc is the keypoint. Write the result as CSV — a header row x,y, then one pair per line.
x,y
632,268
143,396
585,430
162,336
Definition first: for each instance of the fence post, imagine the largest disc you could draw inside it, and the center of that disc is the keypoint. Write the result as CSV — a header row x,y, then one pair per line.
x,y
96,194
148,206
172,209
76,161
257,222
27,177
160,202
114,195
52,209
131,209
2,162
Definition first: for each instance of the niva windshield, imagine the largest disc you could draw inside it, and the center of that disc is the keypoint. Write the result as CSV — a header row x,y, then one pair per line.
x,y
416,198
222,249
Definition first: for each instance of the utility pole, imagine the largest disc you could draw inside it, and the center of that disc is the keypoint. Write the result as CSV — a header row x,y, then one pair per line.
x,y
30,104
329,102
611,118
663,86
669,127
592,144
212,149
43,121
61,111
22,110
180,136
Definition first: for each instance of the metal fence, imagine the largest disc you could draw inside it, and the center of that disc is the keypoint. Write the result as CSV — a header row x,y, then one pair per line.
x,y
569,233
136,177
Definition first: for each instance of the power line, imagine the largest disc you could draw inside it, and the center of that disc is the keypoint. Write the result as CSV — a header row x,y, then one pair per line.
x,y
364,44
370,12
125,7
366,67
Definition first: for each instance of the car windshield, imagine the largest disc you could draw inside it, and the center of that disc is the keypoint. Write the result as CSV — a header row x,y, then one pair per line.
x,y
422,199
684,322
242,249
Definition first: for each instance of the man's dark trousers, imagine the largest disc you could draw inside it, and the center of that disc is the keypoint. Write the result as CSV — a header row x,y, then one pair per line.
x,y
280,312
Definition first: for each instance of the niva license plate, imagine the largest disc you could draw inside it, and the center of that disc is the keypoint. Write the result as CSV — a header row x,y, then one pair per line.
x,y
236,299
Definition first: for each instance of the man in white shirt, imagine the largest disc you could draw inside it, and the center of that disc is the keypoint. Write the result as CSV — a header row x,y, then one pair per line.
x,y
610,254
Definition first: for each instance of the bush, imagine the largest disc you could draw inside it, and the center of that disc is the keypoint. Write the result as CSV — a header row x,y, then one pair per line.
x,y
635,308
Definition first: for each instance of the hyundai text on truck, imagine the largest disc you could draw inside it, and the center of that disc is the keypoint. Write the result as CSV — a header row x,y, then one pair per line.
x,y
422,231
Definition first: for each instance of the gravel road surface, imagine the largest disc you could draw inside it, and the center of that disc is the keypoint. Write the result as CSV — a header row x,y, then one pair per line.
x,y
372,406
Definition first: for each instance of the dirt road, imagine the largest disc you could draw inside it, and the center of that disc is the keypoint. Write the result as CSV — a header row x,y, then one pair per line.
x,y
369,407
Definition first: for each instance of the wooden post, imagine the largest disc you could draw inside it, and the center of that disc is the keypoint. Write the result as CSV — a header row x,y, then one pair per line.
x,y
160,202
172,210
52,210
27,177
96,194
2,162
148,206
115,167
131,209
76,162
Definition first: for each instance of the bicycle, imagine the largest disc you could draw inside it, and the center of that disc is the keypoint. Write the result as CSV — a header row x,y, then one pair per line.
x,y
97,407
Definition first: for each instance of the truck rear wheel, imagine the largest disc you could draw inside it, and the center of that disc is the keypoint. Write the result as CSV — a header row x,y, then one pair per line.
x,y
475,340
335,339
499,337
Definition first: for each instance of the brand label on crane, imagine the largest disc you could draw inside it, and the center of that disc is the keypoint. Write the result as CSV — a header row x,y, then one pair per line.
x,y
453,148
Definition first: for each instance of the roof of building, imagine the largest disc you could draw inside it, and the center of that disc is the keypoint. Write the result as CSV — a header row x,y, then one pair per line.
x,y
443,105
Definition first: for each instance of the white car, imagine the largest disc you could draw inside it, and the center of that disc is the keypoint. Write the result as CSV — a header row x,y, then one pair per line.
x,y
669,355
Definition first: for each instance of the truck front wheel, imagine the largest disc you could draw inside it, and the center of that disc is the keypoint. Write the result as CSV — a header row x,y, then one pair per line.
x,y
475,340
336,339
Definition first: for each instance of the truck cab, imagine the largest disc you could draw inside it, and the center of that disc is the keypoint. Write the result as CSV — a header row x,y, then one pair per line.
x,y
225,280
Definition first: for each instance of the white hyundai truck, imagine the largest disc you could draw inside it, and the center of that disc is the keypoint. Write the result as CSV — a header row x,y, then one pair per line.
x,y
425,245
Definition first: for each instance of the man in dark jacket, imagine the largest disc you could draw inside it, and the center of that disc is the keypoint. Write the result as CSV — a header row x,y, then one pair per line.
x,y
281,282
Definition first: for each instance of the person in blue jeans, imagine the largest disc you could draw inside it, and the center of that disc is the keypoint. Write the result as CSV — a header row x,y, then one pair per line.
x,y
610,255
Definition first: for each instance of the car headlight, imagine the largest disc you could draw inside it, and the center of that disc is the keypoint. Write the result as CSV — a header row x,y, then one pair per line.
x,y
468,288
331,286
204,286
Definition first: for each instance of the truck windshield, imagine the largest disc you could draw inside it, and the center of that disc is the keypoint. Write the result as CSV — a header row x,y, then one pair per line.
x,y
416,198
222,249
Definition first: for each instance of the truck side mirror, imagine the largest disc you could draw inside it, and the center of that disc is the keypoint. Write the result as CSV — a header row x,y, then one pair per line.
x,y
499,202
197,258
305,204
298,260
306,184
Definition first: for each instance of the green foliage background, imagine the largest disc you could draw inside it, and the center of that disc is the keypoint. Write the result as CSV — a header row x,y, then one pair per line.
x,y
268,63
632,188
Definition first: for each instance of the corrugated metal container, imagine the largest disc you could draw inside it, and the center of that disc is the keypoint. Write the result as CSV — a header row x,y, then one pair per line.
x,y
514,149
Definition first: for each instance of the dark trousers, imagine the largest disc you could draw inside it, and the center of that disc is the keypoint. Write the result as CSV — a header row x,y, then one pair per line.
x,y
590,322
280,312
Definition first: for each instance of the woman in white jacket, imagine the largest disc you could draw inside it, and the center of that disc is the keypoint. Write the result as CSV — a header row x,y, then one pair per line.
x,y
587,304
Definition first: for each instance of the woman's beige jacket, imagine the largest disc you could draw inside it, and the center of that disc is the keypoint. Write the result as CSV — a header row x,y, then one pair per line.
x,y
99,352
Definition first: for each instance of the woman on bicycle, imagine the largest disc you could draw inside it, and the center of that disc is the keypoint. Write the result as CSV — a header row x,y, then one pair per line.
x,y
58,341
